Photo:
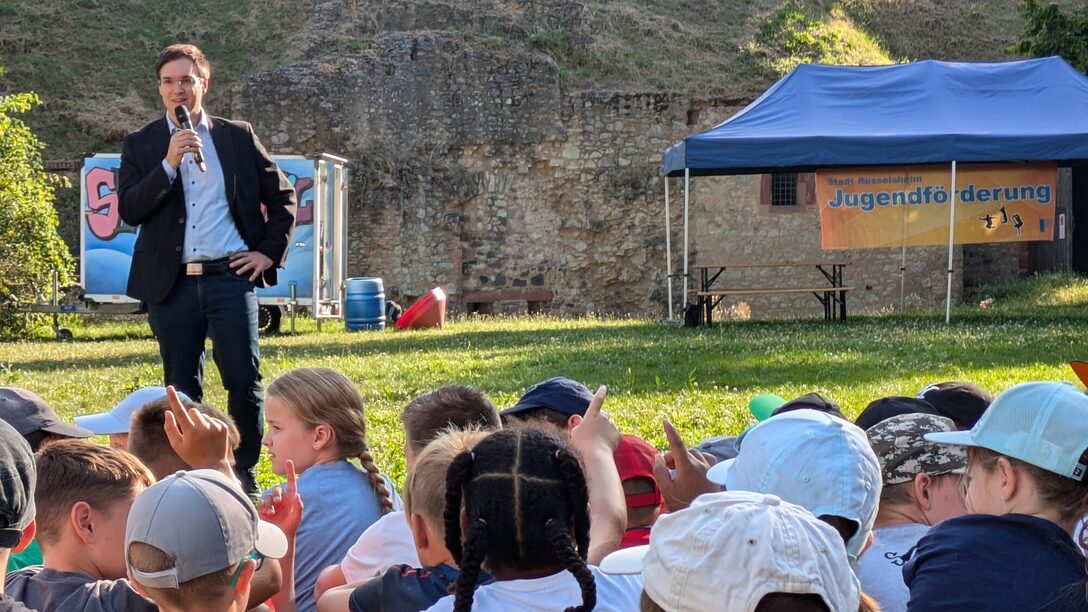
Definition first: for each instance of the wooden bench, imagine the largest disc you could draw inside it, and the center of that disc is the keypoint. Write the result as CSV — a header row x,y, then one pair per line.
x,y
832,296
482,302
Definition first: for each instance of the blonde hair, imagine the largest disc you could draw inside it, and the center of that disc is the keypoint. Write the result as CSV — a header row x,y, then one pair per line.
x,y
425,486
211,587
321,396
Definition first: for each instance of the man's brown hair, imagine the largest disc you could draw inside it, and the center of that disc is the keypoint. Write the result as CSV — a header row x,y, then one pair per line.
x,y
183,51
72,471
147,438
209,588
450,407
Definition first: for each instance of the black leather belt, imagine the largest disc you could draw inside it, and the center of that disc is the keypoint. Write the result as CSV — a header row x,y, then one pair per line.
x,y
200,268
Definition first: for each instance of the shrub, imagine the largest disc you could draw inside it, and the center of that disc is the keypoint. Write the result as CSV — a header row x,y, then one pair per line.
x,y
30,247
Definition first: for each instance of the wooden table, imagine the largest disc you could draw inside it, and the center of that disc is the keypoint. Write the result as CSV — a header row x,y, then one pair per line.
x,y
832,295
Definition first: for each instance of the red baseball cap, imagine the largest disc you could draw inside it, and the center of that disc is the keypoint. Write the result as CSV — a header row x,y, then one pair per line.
x,y
635,459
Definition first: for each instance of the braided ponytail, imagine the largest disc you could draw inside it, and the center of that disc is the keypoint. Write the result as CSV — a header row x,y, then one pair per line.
x,y
385,497
574,488
456,477
563,548
472,558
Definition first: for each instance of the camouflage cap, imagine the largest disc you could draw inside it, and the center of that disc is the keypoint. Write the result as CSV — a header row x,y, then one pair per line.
x,y
903,452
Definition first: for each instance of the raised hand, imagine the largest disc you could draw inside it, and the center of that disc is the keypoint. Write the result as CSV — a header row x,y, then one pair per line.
x,y
200,441
689,480
282,506
596,426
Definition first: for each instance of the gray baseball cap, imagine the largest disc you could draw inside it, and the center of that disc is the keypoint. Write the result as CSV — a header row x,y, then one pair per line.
x,y
17,478
203,521
903,451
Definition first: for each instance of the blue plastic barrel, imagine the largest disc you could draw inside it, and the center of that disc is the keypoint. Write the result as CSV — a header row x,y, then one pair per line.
x,y
364,306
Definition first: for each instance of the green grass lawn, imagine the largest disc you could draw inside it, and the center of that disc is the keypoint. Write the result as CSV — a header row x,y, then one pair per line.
x,y
701,379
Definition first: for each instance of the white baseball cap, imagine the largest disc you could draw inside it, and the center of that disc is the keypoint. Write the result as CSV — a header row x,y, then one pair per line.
x,y
728,550
810,458
116,421
203,521
1041,423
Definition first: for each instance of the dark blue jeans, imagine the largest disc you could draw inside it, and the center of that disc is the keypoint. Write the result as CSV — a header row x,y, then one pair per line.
x,y
222,306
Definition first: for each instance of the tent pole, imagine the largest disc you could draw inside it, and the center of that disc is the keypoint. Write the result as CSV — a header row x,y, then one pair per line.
x,y
903,278
687,197
668,247
903,261
951,237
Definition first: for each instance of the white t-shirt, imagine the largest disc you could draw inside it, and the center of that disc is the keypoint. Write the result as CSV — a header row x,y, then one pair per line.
x,y
386,543
880,569
555,592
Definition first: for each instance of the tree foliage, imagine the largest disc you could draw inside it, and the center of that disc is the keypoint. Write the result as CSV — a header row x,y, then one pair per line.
x,y
30,247
1051,31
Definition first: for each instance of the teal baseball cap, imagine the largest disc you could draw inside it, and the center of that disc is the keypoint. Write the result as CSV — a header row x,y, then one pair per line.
x,y
1041,423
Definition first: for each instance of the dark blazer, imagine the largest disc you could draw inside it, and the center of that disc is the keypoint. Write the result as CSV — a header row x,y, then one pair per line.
x,y
147,198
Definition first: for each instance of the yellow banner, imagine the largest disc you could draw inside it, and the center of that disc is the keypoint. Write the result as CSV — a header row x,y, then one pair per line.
x,y
879,207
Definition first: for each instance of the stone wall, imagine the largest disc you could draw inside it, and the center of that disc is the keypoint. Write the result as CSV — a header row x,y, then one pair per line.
x,y
472,170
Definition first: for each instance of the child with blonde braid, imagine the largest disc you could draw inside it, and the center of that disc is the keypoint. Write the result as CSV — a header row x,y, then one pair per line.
x,y
315,418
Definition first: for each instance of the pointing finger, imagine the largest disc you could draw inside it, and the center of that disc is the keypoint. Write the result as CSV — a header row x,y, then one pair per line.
x,y
183,422
676,445
292,488
595,404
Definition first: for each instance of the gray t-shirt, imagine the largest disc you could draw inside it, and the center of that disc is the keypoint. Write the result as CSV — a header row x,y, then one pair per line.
x,y
46,589
880,569
340,503
8,604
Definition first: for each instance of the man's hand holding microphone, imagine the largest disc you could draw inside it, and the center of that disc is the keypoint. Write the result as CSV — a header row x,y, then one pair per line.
x,y
185,140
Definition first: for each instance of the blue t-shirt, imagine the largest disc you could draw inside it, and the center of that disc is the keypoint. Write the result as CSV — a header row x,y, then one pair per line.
x,y
1013,563
338,503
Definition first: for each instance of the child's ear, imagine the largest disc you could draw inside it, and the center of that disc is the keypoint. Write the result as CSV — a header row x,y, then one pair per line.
x,y
921,484
573,422
80,518
421,536
28,535
245,577
322,436
1011,481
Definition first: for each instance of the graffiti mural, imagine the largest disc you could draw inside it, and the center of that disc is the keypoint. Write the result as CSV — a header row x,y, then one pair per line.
x,y
107,241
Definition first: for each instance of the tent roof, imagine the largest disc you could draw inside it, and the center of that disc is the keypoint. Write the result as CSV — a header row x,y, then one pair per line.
x,y
926,112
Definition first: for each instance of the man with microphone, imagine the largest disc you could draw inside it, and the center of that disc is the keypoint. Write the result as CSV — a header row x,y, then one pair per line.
x,y
194,184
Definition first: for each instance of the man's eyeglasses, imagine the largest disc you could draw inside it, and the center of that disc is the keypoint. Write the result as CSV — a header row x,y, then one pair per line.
x,y
186,82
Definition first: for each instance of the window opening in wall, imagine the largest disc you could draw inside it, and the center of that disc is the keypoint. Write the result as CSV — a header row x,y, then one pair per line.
x,y
784,189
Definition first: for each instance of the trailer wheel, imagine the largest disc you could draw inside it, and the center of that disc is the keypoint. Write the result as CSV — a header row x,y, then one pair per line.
x,y
268,319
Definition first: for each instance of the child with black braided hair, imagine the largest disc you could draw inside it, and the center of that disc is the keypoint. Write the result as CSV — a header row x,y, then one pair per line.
x,y
517,504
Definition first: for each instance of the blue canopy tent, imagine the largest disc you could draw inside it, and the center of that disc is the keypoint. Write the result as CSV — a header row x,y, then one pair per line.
x,y
922,113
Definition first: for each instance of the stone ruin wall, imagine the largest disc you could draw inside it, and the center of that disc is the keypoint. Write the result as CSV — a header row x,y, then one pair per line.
x,y
472,170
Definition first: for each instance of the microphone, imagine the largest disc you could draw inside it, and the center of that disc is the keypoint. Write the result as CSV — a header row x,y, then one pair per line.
x,y
182,115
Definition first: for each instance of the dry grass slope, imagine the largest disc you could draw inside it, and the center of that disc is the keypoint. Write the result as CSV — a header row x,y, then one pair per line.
x,y
90,59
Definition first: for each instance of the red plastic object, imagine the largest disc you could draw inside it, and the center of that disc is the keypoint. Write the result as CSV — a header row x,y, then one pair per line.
x,y
428,311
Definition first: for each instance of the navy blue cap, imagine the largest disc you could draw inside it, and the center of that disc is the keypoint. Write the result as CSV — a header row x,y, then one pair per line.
x,y
893,406
560,394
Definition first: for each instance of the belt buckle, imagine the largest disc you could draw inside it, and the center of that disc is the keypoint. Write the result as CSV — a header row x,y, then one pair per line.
x,y
194,269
